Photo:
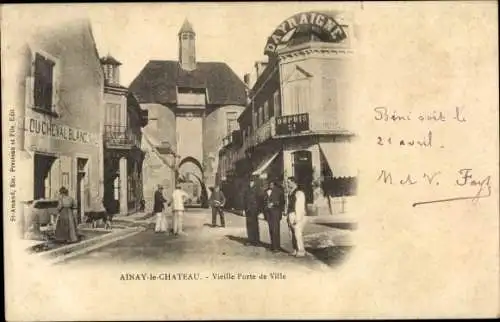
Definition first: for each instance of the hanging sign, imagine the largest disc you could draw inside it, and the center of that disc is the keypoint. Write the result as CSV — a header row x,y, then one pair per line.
x,y
292,124
322,24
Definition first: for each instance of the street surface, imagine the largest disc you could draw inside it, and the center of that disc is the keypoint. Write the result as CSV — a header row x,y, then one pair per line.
x,y
215,246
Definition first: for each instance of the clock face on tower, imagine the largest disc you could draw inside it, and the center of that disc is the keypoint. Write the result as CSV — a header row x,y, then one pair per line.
x,y
189,116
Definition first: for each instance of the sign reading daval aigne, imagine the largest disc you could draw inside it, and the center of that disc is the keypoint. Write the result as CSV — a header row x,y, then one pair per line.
x,y
321,23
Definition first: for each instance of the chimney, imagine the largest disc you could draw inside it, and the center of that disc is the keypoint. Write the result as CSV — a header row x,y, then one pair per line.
x,y
246,79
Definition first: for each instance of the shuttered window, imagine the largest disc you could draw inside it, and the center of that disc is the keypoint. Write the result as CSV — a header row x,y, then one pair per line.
x,y
43,82
299,97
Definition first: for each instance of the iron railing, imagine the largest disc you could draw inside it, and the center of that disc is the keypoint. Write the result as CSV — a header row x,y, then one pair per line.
x,y
120,136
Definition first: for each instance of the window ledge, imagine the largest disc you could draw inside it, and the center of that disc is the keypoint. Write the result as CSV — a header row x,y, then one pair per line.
x,y
44,111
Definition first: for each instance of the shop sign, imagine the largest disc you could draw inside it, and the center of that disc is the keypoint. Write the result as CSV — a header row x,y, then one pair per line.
x,y
292,124
325,25
57,131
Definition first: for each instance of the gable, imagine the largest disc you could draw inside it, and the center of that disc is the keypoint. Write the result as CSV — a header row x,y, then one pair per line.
x,y
297,74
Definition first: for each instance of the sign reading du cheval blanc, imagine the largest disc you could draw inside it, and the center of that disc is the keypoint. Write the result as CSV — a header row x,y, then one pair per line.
x,y
57,131
320,23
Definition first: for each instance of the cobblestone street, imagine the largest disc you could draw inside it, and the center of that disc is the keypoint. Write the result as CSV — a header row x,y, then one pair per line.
x,y
218,246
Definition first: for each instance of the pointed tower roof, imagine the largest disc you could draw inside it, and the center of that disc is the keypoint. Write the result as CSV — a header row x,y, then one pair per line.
x,y
186,27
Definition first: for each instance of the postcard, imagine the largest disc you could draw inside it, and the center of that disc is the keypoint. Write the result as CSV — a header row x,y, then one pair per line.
x,y
171,161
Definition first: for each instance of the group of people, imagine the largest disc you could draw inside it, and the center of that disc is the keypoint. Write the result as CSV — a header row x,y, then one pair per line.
x,y
178,199
272,205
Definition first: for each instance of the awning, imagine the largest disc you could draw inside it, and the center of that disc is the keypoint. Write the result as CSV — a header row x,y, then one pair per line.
x,y
264,164
339,159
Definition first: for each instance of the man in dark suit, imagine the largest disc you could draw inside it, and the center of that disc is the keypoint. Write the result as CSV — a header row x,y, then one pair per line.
x,y
251,208
158,207
217,201
273,212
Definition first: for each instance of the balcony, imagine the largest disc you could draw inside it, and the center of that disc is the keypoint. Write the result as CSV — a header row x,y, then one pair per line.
x,y
120,137
292,124
265,132
307,124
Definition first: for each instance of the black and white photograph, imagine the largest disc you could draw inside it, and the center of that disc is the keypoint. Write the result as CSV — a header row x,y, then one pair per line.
x,y
246,152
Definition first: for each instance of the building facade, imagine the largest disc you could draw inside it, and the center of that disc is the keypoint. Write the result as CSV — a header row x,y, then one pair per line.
x,y
192,105
297,122
123,156
59,117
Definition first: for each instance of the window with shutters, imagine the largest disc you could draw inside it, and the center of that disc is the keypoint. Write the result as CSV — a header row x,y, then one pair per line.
x,y
41,84
330,91
299,97
44,75
113,114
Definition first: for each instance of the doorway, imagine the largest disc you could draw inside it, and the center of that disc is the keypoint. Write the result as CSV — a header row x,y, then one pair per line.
x,y
42,184
303,172
81,186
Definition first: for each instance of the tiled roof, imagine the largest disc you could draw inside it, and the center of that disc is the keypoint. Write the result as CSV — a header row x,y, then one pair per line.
x,y
157,82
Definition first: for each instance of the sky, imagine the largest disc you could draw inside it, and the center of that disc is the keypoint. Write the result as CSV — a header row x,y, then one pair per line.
x,y
232,33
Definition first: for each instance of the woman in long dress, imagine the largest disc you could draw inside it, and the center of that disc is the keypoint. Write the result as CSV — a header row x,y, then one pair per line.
x,y
66,225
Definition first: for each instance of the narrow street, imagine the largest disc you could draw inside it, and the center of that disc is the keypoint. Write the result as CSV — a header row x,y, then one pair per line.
x,y
207,245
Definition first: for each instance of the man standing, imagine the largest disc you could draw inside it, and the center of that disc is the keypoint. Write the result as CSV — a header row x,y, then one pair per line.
x,y
296,212
158,207
217,201
179,196
251,212
273,203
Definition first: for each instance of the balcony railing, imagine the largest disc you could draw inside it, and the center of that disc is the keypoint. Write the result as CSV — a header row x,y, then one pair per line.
x,y
289,125
117,136
263,133
292,124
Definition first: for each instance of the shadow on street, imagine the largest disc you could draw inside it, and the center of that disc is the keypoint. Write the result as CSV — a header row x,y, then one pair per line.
x,y
341,225
243,241
332,256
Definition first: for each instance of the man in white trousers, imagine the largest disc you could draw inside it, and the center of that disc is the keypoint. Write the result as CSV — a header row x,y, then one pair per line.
x,y
179,196
296,217
158,209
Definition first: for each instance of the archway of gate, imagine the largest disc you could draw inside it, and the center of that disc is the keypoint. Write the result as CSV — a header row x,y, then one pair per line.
x,y
191,179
